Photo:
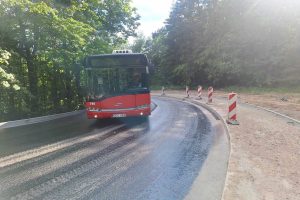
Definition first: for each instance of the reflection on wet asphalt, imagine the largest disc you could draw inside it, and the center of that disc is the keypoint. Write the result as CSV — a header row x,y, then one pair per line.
x,y
155,158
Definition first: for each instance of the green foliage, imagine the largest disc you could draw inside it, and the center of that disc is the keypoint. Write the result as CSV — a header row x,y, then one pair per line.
x,y
139,43
7,80
46,42
262,90
231,42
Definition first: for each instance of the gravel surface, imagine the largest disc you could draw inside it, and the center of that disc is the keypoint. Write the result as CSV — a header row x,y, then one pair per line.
x,y
264,162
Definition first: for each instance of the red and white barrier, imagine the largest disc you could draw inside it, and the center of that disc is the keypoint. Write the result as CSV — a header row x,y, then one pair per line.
x,y
232,109
199,90
210,94
187,91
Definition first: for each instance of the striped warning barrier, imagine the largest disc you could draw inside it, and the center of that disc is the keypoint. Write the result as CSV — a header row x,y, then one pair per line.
x,y
232,109
210,94
199,90
187,91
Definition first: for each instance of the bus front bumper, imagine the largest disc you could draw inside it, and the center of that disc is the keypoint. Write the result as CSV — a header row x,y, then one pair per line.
x,y
118,113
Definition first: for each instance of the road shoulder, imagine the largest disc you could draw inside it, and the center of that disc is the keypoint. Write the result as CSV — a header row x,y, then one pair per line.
x,y
211,176
264,157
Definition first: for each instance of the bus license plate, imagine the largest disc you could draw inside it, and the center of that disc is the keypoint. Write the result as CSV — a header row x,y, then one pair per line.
x,y
119,115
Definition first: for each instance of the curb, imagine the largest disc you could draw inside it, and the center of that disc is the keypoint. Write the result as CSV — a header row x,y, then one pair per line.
x,y
274,112
23,122
214,112
217,117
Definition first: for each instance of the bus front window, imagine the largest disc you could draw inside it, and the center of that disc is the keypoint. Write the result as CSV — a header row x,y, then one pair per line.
x,y
115,81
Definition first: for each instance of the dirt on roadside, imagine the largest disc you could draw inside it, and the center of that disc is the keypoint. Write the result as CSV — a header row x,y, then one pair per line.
x,y
264,162
288,103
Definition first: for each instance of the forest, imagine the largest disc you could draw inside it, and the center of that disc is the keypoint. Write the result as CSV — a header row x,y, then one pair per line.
x,y
227,43
208,42
42,45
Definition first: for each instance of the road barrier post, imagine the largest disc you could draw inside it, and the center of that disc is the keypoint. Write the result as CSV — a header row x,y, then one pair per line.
x,y
232,109
187,91
210,94
199,90
163,91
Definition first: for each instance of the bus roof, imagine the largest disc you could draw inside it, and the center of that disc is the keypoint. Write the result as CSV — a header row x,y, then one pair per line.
x,y
116,60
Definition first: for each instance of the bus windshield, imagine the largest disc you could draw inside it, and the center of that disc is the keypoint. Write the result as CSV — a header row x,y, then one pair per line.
x,y
115,81
116,74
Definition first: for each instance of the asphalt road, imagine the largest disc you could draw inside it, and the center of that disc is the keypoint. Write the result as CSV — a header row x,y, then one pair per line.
x,y
76,158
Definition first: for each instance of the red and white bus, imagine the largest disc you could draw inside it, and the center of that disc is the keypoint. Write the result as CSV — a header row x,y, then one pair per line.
x,y
118,85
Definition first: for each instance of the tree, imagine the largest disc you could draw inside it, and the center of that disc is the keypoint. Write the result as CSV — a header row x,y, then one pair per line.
x,y
47,41
231,42
139,44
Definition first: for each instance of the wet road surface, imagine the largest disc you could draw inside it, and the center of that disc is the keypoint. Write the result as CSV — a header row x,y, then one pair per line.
x,y
76,158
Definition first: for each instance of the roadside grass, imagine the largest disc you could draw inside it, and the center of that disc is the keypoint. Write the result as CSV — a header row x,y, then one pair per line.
x,y
262,90
168,87
246,90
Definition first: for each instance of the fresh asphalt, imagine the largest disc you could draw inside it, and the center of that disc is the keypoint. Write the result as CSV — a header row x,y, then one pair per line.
x,y
154,158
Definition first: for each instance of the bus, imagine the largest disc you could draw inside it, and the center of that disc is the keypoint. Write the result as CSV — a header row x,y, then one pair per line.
x,y
118,85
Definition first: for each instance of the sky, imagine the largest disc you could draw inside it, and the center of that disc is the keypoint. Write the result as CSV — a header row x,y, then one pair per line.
x,y
153,14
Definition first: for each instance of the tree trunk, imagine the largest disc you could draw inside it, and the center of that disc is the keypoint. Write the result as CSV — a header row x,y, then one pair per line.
x,y
68,80
33,82
54,88
77,82
32,72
